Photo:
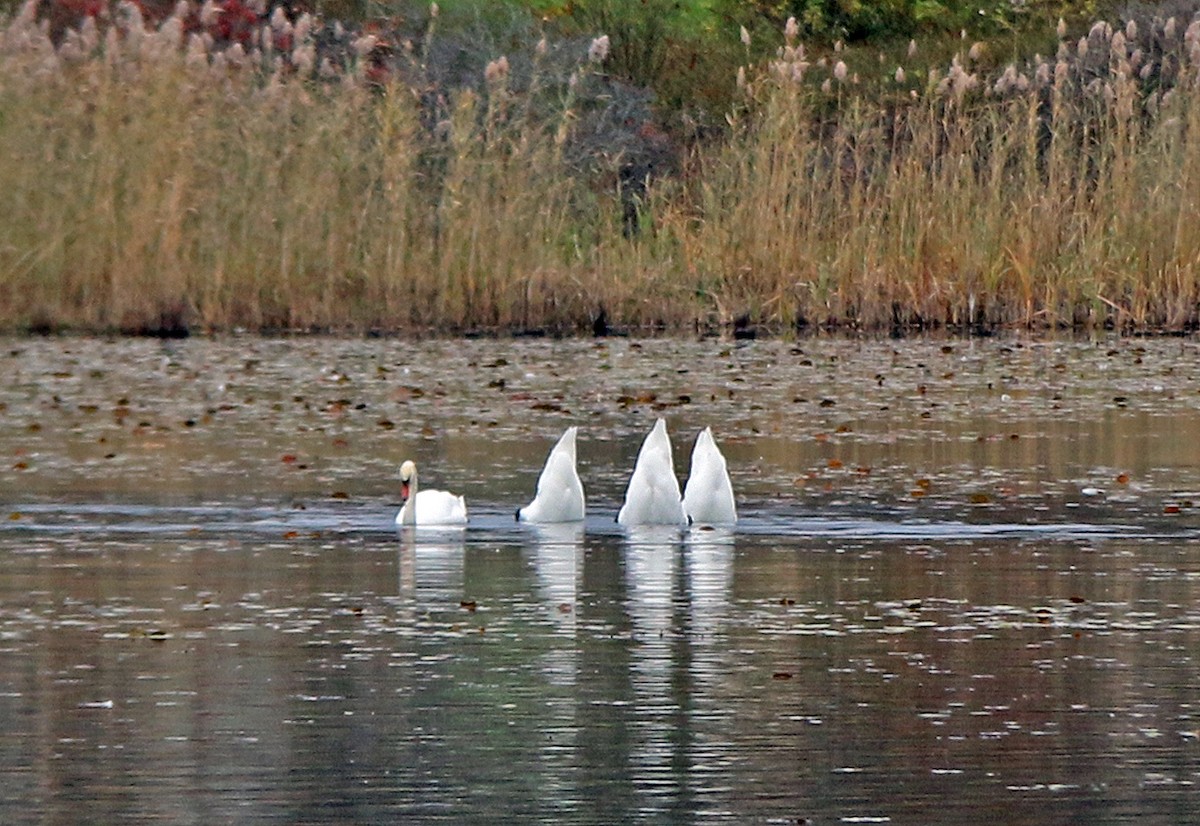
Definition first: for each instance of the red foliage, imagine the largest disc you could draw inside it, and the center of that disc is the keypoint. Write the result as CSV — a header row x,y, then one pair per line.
x,y
236,23
79,9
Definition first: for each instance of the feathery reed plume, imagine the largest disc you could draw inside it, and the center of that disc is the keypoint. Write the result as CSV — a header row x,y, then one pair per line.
x,y
598,51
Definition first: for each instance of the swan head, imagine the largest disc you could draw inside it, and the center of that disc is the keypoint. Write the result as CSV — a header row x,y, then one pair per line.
x,y
408,472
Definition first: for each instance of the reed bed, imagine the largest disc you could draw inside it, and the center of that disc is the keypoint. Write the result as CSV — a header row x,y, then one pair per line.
x,y
154,182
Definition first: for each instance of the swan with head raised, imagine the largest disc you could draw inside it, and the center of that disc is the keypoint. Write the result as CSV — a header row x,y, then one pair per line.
x,y
708,495
559,492
427,508
652,497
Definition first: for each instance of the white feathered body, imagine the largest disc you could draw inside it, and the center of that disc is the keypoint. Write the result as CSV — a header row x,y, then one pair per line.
x,y
708,495
652,497
435,507
428,508
559,495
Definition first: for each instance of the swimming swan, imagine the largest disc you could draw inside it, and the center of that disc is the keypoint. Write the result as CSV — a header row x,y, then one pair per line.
x,y
652,497
708,496
427,508
559,492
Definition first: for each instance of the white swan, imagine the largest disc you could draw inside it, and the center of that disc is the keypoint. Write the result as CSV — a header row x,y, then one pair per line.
x,y
708,496
427,508
652,497
559,491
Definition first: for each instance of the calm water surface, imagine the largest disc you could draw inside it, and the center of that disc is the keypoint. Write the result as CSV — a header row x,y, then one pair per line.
x,y
966,584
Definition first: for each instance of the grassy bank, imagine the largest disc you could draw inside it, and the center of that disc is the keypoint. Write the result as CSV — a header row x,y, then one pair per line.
x,y
153,181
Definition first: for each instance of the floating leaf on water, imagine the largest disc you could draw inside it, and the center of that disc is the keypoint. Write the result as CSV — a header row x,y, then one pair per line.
x,y
20,466
827,403
787,601
564,608
1077,600
386,424
781,675
834,464
862,470
14,516
1172,509
468,604
979,499
1122,478
923,483
339,494
291,534
288,458
34,427
340,442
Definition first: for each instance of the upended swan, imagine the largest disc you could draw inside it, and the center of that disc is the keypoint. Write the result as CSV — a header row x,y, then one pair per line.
x,y
559,492
708,496
427,508
652,497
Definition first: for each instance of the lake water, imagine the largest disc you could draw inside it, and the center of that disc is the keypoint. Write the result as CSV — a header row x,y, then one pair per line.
x,y
965,585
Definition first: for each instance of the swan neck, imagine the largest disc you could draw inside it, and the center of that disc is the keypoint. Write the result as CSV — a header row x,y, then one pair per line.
x,y
410,502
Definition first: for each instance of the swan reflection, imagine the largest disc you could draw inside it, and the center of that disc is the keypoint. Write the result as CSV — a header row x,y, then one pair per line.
x,y
708,558
558,565
651,569
431,564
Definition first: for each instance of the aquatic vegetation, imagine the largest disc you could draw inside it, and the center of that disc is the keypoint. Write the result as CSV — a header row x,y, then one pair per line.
x,y
228,166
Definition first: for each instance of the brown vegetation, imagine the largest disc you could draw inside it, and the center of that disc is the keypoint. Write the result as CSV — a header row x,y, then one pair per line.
x,y
153,182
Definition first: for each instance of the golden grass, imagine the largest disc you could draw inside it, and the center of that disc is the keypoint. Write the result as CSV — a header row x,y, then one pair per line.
x,y
147,185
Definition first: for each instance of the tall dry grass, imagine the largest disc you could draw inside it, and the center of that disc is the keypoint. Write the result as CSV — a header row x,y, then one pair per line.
x,y
1056,201
151,182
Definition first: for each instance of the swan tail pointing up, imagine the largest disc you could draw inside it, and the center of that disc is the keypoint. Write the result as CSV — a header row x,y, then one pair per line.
x,y
652,497
559,495
708,495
